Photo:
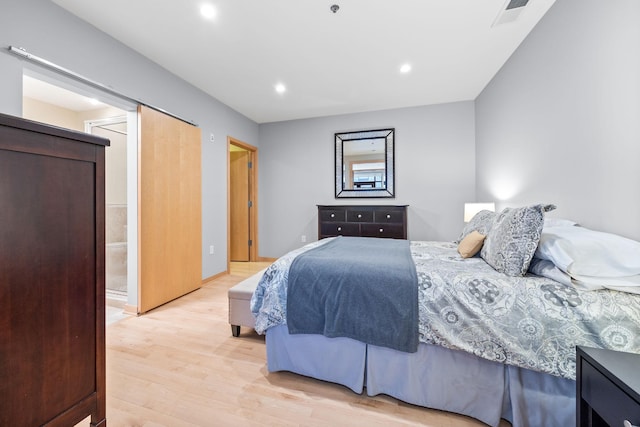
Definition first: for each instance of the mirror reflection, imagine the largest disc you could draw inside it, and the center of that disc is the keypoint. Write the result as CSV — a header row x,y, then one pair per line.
x,y
364,163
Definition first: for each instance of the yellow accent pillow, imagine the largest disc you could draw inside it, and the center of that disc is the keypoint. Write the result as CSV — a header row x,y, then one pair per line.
x,y
471,244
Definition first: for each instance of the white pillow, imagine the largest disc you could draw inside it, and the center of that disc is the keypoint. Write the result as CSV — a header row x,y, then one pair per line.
x,y
579,251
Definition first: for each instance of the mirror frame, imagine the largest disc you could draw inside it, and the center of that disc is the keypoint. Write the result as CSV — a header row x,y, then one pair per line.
x,y
389,159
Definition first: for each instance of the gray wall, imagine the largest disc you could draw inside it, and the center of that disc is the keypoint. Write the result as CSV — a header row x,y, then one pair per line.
x,y
47,31
560,122
435,171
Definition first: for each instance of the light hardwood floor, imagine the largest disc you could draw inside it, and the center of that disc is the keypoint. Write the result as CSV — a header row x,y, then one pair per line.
x,y
178,365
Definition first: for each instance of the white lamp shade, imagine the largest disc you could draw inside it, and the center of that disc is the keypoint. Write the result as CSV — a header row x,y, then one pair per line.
x,y
470,209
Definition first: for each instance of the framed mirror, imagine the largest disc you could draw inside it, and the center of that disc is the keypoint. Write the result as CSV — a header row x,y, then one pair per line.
x,y
364,163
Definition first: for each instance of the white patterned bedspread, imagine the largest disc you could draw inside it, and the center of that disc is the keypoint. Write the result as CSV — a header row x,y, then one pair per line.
x,y
464,304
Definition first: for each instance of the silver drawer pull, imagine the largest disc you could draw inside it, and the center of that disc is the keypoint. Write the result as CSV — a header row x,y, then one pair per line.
x,y
388,216
333,215
381,230
626,423
359,215
339,228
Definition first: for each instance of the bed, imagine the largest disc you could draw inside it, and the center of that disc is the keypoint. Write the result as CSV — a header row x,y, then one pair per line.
x,y
494,340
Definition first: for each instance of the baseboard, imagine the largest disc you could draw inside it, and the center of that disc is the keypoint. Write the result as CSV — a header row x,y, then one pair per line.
x,y
130,309
215,276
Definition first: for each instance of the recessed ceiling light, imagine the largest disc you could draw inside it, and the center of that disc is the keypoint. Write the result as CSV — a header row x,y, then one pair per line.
x,y
208,11
93,101
405,68
280,88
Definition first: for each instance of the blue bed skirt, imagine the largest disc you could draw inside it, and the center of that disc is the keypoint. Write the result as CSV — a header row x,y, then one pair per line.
x,y
433,377
316,356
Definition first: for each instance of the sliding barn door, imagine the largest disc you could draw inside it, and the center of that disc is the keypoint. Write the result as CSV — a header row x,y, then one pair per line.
x,y
169,212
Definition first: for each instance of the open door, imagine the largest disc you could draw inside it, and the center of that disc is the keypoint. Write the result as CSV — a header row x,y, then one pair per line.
x,y
169,209
240,230
242,197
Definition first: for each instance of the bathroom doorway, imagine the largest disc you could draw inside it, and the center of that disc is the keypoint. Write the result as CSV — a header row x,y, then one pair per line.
x,y
115,129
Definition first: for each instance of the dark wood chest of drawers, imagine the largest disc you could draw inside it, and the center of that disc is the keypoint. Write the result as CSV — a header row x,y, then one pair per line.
x,y
365,221
52,302
608,388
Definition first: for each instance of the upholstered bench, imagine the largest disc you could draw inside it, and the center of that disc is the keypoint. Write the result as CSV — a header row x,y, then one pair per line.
x,y
240,303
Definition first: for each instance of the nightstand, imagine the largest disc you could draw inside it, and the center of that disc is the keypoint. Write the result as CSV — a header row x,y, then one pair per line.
x,y
607,388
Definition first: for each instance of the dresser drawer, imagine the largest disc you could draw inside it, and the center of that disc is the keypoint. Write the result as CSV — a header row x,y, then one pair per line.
x,y
332,215
339,229
394,231
389,216
611,403
359,215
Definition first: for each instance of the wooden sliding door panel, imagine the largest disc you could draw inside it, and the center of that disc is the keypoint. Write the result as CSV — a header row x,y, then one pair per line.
x,y
170,212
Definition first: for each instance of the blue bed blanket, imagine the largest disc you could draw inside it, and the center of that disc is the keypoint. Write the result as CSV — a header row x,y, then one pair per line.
x,y
356,287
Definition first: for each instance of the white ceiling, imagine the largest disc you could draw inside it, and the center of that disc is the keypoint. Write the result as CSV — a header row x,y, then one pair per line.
x,y
330,63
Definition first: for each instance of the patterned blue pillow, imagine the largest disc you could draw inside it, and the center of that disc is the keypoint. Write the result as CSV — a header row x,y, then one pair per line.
x,y
513,239
481,222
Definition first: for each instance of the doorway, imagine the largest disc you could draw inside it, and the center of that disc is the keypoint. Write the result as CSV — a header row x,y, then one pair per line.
x,y
115,129
242,201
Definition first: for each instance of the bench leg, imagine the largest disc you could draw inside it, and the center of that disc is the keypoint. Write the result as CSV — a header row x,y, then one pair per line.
x,y
235,330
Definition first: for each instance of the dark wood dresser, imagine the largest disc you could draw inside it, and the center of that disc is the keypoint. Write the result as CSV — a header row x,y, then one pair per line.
x,y
52,301
362,220
607,388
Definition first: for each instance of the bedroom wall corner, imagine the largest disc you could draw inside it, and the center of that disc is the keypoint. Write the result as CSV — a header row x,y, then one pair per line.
x,y
560,122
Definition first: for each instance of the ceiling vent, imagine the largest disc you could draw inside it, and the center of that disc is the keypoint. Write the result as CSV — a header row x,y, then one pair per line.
x,y
510,11
514,4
